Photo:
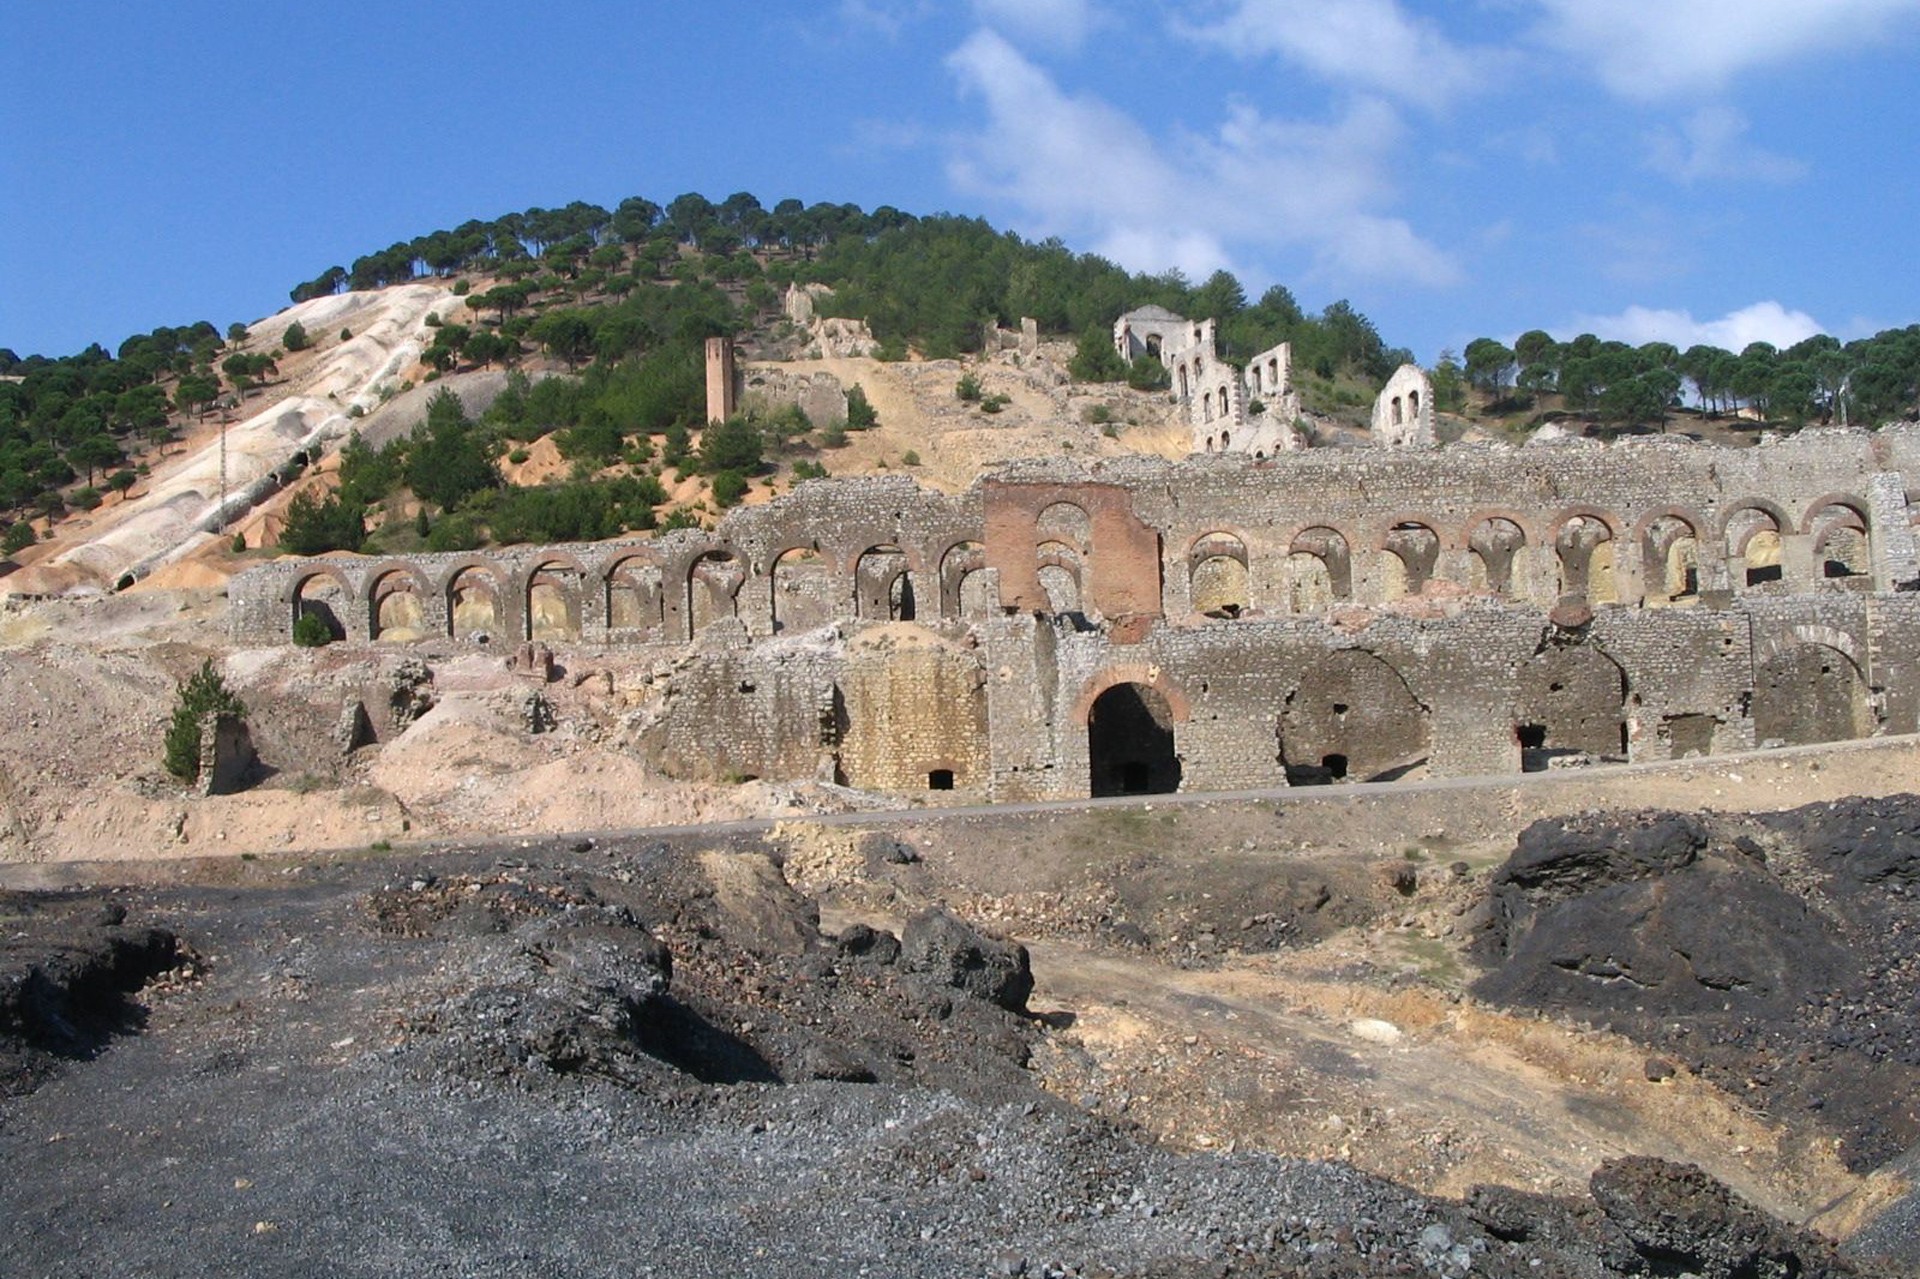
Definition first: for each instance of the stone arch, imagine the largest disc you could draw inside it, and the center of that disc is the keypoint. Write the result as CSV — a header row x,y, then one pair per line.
x,y
1669,541
397,605
1805,693
800,580
1062,576
1319,569
1569,700
1842,546
635,601
322,591
475,600
1412,550
553,597
966,590
1496,542
713,585
1352,718
1217,574
882,585
1065,522
1583,546
1130,743
1750,532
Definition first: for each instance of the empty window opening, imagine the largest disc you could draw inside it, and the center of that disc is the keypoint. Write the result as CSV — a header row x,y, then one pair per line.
x,y
1336,766
940,779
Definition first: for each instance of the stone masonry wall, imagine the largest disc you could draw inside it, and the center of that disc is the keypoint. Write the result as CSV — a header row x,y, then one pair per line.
x,y
1367,613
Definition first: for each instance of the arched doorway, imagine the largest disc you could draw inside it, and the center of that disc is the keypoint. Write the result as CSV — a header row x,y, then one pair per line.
x,y
1352,718
1570,703
1810,693
1130,748
326,597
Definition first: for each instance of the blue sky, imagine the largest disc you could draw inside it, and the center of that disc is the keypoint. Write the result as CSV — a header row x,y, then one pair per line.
x,y
1687,170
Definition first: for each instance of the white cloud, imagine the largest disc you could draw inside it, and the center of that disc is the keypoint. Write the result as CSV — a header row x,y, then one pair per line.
x,y
888,17
1080,167
1062,23
1650,49
1711,144
1761,322
1368,44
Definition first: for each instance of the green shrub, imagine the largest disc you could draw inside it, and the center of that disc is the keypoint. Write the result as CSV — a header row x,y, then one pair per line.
x,y
518,457
310,630
910,458
295,338
201,694
728,488
967,389
18,538
239,543
861,415
86,498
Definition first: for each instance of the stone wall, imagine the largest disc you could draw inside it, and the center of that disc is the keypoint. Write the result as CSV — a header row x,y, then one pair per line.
x,y
1225,622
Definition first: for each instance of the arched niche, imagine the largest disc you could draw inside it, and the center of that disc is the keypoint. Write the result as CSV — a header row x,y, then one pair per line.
x,y
474,603
1065,522
1570,700
802,586
1753,548
397,607
1352,718
1217,575
1130,742
634,601
323,594
965,588
553,602
1670,546
1319,570
1584,549
1842,552
1496,543
1809,693
1060,577
713,582
882,586
1412,550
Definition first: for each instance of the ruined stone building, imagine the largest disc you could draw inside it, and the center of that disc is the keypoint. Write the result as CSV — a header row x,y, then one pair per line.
x,y
1221,623
1229,410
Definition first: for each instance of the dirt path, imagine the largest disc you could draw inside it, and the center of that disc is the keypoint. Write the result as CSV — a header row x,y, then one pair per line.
x,y
1417,1084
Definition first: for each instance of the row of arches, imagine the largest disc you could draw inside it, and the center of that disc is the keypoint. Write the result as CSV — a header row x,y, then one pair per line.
x,y
1354,717
561,599
1583,553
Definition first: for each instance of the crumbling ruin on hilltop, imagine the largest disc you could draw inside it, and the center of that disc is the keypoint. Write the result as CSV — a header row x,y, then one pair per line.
x,y
1225,622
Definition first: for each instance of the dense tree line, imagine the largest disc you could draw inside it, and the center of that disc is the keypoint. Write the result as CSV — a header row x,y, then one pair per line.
x,y
934,283
77,416
1865,382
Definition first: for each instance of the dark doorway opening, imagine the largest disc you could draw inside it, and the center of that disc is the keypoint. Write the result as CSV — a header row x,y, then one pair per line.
x,y
1336,766
1130,743
940,779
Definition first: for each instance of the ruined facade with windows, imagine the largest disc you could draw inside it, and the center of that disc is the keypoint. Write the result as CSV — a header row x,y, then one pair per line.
x,y
1229,409
1220,623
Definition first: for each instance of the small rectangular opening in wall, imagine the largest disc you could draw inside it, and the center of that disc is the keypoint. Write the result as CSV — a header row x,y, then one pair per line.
x,y
1533,747
1765,573
940,779
1336,766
